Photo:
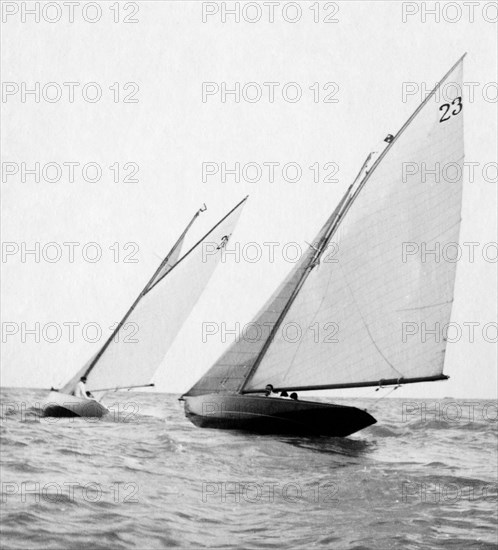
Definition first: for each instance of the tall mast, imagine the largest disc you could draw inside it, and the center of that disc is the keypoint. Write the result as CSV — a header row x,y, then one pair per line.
x,y
324,241
150,284
340,212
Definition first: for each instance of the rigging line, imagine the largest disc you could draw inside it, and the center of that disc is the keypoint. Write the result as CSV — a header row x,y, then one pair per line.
x,y
200,240
368,394
386,394
366,326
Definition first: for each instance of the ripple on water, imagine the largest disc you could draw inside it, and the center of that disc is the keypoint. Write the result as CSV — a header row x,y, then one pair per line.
x,y
151,483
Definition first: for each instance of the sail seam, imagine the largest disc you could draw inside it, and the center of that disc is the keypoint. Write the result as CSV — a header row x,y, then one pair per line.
x,y
426,307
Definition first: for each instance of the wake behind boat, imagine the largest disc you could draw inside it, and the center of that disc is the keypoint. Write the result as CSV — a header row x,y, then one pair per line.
x,y
158,313
351,313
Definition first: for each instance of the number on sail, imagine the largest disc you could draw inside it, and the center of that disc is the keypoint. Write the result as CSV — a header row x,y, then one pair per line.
x,y
458,102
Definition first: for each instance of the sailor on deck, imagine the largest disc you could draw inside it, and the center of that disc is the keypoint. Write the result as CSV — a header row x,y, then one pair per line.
x,y
80,390
269,391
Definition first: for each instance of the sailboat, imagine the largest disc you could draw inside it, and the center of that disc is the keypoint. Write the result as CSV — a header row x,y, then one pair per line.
x,y
157,315
367,295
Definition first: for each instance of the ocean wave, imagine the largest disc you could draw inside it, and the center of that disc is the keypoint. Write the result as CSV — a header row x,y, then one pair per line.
x,y
153,484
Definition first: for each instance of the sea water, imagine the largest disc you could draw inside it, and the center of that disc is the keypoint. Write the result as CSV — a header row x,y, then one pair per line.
x,y
425,476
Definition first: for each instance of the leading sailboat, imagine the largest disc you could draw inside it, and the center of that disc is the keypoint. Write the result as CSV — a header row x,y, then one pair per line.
x,y
156,316
367,295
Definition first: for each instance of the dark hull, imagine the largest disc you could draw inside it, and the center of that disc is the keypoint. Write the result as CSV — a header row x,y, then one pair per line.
x,y
274,415
64,405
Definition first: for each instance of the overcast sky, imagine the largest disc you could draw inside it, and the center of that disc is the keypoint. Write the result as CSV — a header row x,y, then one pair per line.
x,y
162,61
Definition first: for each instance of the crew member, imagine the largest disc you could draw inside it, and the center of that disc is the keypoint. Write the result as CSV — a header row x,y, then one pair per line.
x,y
80,390
269,391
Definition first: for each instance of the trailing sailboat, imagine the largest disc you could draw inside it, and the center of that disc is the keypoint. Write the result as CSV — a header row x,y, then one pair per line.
x,y
157,315
351,313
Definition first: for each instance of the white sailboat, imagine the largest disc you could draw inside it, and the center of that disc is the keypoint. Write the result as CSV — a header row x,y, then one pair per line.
x,y
369,294
157,314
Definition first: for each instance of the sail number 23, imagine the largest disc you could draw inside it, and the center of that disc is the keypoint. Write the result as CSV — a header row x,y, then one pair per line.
x,y
457,102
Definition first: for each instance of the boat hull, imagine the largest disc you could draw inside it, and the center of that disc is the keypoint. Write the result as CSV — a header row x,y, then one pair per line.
x,y
274,415
65,405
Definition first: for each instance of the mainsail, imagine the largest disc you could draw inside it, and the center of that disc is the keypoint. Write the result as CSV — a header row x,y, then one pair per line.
x,y
377,314
136,348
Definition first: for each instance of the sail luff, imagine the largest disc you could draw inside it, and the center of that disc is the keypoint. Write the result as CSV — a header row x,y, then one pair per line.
x,y
146,289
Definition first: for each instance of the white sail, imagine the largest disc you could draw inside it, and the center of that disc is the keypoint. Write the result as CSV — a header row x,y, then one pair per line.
x,y
230,371
367,317
138,347
165,266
